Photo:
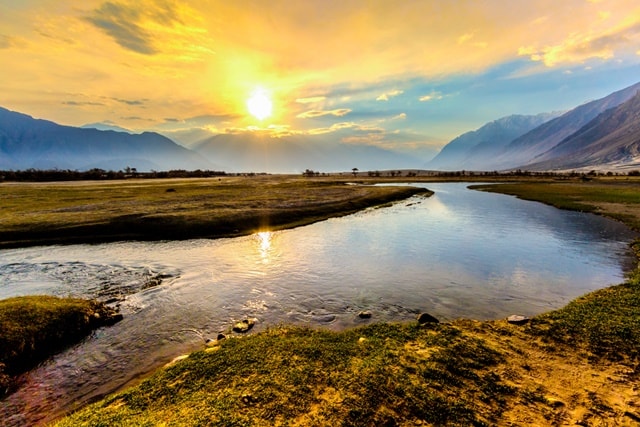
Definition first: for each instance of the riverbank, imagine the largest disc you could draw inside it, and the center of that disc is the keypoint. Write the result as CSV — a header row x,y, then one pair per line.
x,y
33,328
177,209
577,365
460,373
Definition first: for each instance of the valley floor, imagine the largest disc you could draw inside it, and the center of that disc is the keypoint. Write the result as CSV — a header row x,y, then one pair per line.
x,y
579,365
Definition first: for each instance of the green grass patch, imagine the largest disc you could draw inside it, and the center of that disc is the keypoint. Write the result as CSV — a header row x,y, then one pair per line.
x,y
617,199
33,328
381,374
605,322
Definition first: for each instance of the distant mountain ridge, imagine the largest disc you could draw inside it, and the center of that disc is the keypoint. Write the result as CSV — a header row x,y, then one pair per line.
x,y
553,144
294,154
27,143
612,138
476,149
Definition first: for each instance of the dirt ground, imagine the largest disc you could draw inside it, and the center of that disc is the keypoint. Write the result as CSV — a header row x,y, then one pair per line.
x,y
561,386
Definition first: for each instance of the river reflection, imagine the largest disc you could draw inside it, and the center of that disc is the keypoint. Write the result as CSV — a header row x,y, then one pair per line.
x,y
459,253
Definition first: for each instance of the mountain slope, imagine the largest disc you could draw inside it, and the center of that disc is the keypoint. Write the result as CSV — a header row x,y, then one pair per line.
x,y
612,138
478,148
26,143
529,146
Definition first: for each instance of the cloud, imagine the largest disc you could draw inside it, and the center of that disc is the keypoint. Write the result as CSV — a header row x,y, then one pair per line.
x,y
124,24
130,101
340,112
137,118
579,47
430,97
146,27
81,103
311,100
385,96
401,116
465,37
7,42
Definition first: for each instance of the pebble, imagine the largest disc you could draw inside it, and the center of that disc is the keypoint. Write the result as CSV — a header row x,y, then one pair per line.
x,y
516,319
244,326
424,318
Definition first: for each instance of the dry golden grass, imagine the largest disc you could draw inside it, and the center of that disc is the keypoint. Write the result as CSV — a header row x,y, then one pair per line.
x,y
98,211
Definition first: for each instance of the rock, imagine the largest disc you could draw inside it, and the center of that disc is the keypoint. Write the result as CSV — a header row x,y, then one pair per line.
x,y
324,318
220,337
111,319
365,315
516,319
248,399
244,326
424,318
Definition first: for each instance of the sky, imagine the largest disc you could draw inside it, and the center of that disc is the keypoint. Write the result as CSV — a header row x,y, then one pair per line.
x,y
408,75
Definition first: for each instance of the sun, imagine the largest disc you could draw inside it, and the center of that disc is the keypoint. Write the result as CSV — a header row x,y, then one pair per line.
x,y
259,104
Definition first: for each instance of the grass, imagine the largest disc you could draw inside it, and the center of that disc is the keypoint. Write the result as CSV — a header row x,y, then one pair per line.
x,y
618,199
88,212
33,328
297,376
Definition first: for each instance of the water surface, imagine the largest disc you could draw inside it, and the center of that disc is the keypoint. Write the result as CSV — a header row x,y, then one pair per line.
x,y
459,253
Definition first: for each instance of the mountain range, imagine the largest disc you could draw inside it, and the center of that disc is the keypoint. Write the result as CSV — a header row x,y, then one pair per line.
x,y
27,143
295,153
604,133
600,133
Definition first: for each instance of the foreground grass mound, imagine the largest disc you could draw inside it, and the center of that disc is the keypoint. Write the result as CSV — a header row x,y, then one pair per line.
x,y
33,328
465,373
376,375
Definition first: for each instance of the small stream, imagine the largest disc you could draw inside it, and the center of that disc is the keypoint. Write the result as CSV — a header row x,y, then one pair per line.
x,y
459,253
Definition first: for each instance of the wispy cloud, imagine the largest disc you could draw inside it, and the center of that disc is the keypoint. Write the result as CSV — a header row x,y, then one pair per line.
x,y
130,101
81,103
7,42
146,27
340,112
430,97
385,96
311,100
579,47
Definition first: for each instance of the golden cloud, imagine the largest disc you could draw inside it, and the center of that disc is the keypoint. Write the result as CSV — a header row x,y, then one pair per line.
x,y
579,47
385,96
340,112
310,100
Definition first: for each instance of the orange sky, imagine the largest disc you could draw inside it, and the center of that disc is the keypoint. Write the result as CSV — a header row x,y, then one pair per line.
x,y
419,70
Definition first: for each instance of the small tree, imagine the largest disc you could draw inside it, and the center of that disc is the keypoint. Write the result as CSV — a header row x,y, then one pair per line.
x,y
355,171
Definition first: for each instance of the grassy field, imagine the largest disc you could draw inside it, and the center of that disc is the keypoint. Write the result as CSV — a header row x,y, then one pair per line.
x,y
172,209
616,198
579,365
33,328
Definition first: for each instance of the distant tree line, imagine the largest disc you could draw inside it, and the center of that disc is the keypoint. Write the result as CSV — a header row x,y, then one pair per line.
x,y
37,175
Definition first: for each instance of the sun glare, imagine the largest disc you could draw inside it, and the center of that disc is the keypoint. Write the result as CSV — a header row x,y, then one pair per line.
x,y
259,104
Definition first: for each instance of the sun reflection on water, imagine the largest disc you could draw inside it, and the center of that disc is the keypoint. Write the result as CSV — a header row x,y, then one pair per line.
x,y
264,240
